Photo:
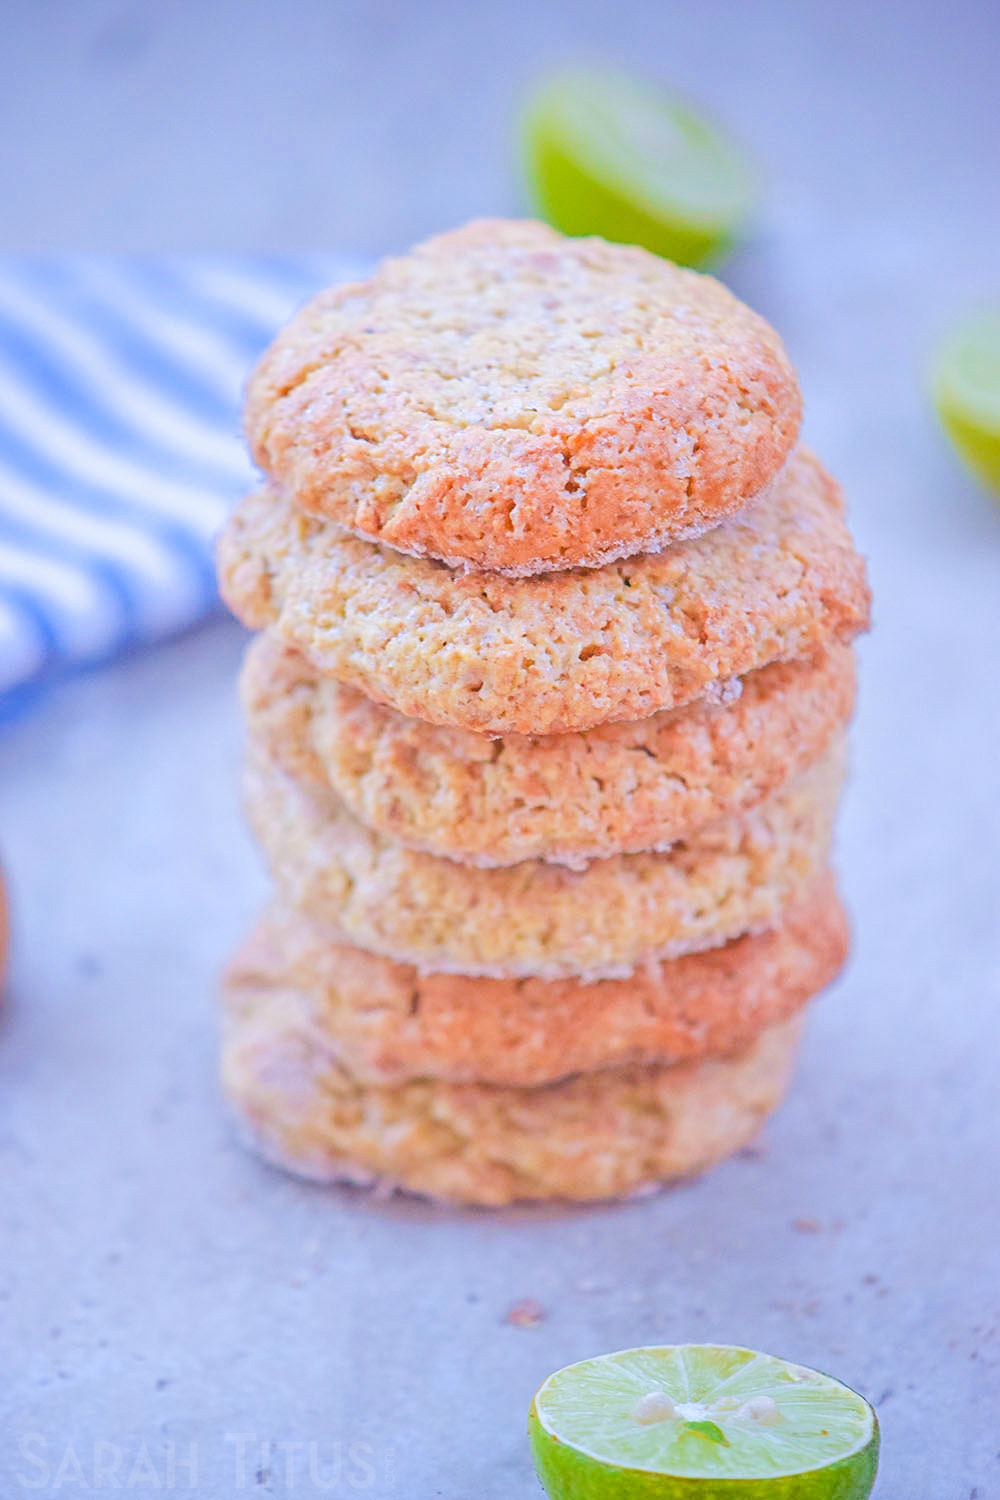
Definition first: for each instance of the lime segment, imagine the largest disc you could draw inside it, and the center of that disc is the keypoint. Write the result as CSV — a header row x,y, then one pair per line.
x,y
701,1420
610,155
967,394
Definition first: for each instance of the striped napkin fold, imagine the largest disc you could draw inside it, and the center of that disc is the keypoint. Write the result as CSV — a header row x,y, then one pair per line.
x,y
120,449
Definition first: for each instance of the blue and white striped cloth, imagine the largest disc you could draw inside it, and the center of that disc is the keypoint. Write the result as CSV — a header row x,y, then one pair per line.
x,y
120,449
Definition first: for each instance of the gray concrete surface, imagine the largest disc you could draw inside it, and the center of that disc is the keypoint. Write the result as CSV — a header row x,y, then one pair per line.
x,y
164,1299
361,124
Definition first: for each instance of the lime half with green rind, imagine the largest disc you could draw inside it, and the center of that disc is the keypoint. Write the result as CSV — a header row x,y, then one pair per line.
x,y
611,155
701,1422
967,394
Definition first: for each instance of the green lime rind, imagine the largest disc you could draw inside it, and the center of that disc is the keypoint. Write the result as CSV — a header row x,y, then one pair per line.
x,y
574,1476
609,155
966,389
821,1441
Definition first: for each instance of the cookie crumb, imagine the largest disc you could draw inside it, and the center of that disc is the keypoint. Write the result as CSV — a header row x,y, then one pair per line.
x,y
527,1313
807,1226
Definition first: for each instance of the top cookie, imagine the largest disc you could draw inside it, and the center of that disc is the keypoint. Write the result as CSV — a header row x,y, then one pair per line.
x,y
507,399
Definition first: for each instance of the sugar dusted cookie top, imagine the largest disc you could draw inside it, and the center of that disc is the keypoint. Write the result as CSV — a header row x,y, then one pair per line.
x,y
562,652
539,919
563,798
392,1023
508,399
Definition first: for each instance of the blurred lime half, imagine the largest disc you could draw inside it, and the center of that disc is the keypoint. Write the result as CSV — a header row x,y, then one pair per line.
x,y
703,1422
611,155
967,394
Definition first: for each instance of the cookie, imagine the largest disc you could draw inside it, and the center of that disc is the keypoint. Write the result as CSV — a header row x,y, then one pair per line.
x,y
594,1136
508,399
536,918
390,1024
563,652
567,798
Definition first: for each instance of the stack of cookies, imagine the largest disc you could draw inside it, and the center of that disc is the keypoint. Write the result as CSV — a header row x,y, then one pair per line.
x,y
546,723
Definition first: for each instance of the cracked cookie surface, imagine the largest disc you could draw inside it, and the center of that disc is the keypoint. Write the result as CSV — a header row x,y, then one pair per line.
x,y
594,1136
562,652
536,918
566,798
511,400
390,1023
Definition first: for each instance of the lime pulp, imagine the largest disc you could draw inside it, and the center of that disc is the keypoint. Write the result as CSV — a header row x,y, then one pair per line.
x,y
701,1421
611,155
967,394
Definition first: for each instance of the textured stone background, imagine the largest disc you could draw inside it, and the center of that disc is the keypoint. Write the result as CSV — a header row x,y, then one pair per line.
x,y
257,124
157,1286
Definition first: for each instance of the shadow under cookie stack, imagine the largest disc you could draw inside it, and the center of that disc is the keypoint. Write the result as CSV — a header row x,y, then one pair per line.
x,y
545,722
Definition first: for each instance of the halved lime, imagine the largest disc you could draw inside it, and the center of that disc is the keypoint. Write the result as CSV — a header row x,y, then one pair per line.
x,y
967,394
701,1421
611,155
